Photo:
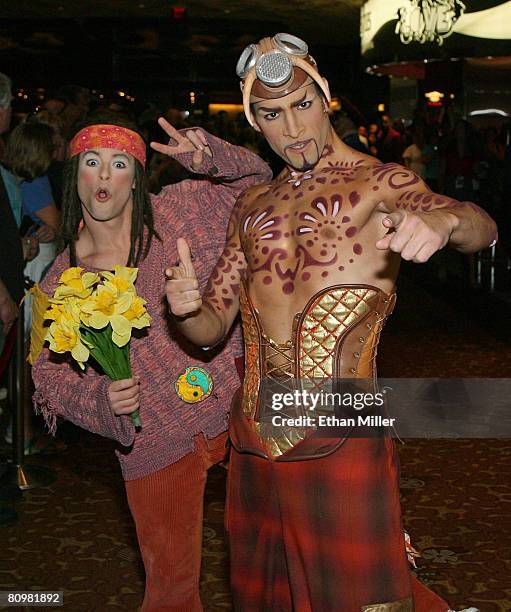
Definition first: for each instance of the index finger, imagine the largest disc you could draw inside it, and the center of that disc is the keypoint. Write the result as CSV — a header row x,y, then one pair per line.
x,y
170,130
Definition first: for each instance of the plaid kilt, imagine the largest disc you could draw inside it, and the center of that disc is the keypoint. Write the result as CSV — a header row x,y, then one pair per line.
x,y
321,535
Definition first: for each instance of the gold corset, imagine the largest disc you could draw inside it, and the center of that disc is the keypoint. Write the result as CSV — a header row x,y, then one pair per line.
x,y
335,336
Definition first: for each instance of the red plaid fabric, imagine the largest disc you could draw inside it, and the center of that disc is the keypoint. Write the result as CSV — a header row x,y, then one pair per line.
x,y
322,535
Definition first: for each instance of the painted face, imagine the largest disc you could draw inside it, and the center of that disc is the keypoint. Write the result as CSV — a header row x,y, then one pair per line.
x,y
105,180
296,126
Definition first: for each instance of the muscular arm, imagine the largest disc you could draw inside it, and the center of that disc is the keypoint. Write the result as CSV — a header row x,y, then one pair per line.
x,y
206,321
438,219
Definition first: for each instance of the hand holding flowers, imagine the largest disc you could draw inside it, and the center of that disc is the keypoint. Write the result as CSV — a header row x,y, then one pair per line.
x,y
93,316
124,396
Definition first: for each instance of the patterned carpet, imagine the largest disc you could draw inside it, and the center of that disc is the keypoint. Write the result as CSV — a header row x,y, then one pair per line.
x,y
77,535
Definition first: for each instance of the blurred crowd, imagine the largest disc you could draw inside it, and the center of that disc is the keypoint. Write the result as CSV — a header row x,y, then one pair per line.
x,y
453,157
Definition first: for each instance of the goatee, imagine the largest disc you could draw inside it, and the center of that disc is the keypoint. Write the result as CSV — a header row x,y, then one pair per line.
x,y
307,166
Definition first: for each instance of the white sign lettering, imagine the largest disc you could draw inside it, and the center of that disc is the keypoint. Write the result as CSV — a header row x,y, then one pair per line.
x,y
428,20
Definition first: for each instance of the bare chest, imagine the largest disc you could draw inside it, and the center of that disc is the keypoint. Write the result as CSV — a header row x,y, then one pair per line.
x,y
310,229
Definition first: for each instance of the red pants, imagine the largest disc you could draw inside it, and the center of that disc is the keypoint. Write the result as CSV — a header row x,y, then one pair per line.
x,y
168,509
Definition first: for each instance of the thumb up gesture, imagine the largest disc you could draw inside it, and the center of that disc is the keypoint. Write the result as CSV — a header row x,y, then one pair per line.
x,y
182,286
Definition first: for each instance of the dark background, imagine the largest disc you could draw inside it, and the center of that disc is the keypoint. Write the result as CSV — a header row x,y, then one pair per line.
x,y
160,50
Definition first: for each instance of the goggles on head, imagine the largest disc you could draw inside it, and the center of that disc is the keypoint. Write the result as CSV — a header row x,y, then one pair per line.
x,y
272,62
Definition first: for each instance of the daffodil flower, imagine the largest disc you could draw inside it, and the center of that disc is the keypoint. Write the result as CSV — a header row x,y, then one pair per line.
x,y
105,307
54,312
137,315
73,283
122,279
65,337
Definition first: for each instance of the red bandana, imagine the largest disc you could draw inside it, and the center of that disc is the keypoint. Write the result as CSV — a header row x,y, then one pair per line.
x,y
109,137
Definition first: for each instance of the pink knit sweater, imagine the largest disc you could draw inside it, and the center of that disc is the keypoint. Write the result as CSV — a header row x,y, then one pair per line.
x,y
199,211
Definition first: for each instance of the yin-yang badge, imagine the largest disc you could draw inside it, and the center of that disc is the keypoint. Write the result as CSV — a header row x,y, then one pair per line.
x,y
194,385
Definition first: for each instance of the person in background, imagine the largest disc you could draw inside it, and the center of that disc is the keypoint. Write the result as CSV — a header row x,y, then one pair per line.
x,y
55,171
54,105
374,137
5,110
463,152
412,155
506,190
391,149
77,105
431,158
348,133
362,134
14,249
28,156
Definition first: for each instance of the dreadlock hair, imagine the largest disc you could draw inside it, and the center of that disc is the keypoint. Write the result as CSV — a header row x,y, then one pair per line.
x,y
142,215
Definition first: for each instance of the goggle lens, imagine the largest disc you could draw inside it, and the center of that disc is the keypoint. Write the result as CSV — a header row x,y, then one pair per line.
x,y
291,44
246,61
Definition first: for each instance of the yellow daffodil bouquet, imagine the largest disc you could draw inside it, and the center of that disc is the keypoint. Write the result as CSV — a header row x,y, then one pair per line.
x,y
92,316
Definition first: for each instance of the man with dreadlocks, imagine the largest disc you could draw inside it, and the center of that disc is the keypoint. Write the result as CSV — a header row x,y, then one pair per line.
x,y
109,219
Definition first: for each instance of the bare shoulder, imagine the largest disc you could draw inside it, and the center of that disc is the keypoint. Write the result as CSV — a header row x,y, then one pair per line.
x,y
389,174
253,193
348,165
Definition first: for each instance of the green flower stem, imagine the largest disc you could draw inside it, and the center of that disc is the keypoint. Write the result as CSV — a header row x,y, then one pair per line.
x,y
114,360
135,417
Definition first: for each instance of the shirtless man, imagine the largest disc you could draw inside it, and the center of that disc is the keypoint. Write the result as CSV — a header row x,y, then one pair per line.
x,y
315,526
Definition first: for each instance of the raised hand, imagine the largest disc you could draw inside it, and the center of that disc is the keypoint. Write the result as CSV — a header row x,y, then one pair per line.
x,y
416,236
192,141
182,286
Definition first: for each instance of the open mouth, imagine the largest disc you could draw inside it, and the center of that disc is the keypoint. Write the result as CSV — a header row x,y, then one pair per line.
x,y
103,195
299,147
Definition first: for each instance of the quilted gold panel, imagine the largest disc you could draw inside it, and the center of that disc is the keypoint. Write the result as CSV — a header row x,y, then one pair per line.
x,y
313,347
325,321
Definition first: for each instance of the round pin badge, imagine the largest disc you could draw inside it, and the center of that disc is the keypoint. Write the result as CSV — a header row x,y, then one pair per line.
x,y
194,385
